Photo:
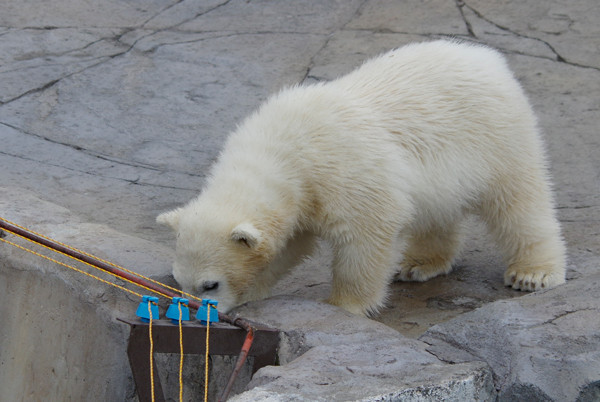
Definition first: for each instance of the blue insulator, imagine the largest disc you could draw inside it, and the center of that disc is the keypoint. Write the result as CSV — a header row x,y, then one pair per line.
x,y
203,311
173,310
142,310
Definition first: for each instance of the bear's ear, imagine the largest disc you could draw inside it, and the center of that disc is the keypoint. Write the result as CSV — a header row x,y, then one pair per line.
x,y
170,218
247,234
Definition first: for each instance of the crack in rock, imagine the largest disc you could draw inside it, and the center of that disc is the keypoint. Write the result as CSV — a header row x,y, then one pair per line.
x,y
96,155
95,174
562,315
32,91
558,56
219,35
460,4
342,27
197,15
53,82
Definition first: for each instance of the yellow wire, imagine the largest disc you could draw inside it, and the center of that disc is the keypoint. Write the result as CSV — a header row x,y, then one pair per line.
x,y
151,352
206,355
69,266
180,355
98,258
127,290
81,261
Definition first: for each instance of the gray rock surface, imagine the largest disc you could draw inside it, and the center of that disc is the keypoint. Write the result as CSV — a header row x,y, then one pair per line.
x,y
59,337
112,112
543,346
327,354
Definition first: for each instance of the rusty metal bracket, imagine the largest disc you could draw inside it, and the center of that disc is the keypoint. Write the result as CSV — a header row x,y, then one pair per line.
x,y
224,339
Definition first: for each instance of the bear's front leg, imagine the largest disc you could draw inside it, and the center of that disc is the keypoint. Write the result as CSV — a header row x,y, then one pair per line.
x,y
361,275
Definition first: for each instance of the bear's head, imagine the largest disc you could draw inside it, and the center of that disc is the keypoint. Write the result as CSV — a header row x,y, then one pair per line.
x,y
219,259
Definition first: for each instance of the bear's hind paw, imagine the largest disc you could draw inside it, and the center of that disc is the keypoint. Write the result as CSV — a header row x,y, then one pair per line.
x,y
532,280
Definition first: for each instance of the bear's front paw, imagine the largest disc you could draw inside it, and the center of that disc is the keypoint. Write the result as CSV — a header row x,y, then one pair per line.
x,y
419,272
360,309
532,279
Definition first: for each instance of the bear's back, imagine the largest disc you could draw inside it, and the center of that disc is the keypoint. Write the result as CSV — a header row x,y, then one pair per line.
x,y
431,68
444,97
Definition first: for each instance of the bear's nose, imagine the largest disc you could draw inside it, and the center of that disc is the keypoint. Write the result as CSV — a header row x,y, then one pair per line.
x,y
210,285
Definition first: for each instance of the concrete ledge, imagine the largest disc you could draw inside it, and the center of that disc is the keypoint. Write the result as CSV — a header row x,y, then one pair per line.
x,y
542,346
328,354
59,338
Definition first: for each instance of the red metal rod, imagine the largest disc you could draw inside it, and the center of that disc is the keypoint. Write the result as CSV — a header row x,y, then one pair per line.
x,y
86,258
238,365
110,268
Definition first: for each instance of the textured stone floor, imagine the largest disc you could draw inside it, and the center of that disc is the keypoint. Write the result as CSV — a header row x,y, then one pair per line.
x,y
112,112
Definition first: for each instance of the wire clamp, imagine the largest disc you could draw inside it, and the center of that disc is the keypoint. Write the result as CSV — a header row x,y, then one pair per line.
x,y
203,311
143,311
174,309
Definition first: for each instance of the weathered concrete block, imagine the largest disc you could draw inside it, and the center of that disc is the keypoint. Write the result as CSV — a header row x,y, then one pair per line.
x,y
379,371
306,324
329,354
542,346
59,338
57,344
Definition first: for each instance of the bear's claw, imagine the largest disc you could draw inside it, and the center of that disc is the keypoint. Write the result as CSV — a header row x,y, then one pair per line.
x,y
531,280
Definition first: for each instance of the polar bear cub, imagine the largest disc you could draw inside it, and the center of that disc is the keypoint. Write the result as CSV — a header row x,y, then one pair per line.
x,y
383,163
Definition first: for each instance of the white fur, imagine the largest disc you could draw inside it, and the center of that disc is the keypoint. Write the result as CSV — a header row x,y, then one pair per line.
x,y
383,163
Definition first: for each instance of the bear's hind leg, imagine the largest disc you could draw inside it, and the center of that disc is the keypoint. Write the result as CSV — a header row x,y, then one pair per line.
x,y
429,254
522,221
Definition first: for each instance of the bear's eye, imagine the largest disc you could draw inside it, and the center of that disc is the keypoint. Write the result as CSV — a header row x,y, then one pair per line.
x,y
210,285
